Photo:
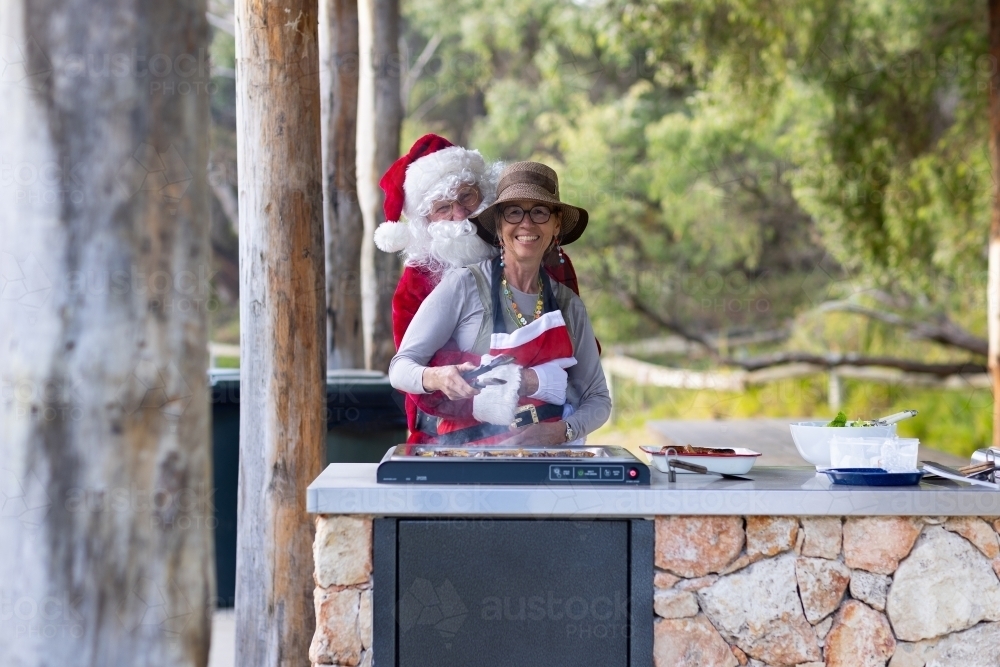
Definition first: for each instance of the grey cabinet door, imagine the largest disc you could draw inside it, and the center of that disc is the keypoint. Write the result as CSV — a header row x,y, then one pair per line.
x,y
511,592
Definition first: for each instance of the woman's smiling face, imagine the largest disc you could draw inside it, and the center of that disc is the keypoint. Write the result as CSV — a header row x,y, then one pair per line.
x,y
527,240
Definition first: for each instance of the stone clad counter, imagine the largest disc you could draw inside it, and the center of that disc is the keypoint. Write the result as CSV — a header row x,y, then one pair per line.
x,y
782,571
350,488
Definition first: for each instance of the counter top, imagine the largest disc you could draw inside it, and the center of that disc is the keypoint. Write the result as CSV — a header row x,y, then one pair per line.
x,y
350,488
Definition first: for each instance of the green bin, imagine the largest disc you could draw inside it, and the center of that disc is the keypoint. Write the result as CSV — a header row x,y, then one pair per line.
x,y
364,417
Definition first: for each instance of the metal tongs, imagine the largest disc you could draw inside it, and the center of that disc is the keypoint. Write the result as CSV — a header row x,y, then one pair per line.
x,y
885,421
897,417
983,474
673,465
470,376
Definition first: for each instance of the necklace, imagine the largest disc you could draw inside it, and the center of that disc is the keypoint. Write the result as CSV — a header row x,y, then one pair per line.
x,y
520,319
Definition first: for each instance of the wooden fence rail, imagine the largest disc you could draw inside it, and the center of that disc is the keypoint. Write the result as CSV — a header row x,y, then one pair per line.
x,y
736,380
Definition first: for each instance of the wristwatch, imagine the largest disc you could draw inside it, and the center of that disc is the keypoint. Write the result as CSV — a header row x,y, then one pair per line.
x,y
570,433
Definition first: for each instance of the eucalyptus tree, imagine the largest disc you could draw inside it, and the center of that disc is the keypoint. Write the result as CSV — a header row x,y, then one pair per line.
x,y
106,554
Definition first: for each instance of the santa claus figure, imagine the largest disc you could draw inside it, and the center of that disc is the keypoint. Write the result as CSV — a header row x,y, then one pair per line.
x,y
430,194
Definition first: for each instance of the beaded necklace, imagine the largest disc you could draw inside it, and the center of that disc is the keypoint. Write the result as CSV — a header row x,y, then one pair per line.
x,y
520,319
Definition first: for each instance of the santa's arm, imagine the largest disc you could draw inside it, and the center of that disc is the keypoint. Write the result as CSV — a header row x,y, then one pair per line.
x,y
414,286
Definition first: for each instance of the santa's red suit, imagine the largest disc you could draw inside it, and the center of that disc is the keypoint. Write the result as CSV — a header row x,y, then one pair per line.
x,y
433,170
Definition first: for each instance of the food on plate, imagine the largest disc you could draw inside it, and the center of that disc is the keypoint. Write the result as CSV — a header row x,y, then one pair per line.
x,y
691,450
841,421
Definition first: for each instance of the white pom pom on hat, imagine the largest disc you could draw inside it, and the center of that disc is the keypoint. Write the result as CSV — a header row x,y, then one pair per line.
x,y
392,236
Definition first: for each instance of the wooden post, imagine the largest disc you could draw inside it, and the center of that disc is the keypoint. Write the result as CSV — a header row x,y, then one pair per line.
x,y
338,49
388,123
106,554
380,120
993,278
282,327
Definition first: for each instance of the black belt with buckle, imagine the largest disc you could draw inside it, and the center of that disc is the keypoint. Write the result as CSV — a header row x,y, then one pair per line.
x,y
529,414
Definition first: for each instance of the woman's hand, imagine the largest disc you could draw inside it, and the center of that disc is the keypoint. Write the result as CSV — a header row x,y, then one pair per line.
x,y
449,381
546,433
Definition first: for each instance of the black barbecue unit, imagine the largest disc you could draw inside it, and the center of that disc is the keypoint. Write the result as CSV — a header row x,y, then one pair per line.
x,y
498,464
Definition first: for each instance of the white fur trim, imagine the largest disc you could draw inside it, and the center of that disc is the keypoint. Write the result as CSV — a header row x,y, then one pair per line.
x,y
552,380
497,404
534,329
392,236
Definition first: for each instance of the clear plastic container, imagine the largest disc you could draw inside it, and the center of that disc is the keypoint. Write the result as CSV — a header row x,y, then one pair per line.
x,y
891,454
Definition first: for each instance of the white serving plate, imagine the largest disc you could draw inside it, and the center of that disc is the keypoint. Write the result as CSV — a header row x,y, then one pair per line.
x,y
728,464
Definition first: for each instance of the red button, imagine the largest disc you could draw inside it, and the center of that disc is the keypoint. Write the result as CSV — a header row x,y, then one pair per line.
x,y
633,473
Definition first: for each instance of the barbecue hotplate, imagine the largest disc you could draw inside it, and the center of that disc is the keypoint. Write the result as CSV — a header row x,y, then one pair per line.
x,y
498,464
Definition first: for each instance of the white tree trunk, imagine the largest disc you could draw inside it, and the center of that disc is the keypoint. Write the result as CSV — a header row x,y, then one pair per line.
x,y
106,553
379,121
368,177
338,49
282,327
388,123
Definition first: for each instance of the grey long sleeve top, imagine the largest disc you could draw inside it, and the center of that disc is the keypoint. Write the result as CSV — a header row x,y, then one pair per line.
x,y
454,311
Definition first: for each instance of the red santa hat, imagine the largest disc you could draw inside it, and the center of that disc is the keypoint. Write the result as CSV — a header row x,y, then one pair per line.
x,y
430,171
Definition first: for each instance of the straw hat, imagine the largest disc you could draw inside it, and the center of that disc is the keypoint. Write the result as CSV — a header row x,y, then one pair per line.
x,y
536,181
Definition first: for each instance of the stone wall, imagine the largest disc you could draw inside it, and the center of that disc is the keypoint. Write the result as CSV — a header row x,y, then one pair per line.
x,y
759,591
858,592
342,553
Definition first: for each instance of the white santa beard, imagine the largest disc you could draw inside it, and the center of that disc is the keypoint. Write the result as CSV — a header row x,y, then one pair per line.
x,y
446,244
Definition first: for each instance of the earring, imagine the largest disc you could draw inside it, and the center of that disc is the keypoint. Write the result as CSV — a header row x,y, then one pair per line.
x,y
501,253
562,260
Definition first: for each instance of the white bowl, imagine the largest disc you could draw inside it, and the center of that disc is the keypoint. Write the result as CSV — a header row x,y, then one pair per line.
x,y
812,439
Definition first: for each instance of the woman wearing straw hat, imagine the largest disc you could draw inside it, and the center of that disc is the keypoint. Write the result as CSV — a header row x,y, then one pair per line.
x,y
554,390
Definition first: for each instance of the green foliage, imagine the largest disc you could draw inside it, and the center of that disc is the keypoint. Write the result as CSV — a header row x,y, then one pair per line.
x,y
744,161
955,421
881,110
736,137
